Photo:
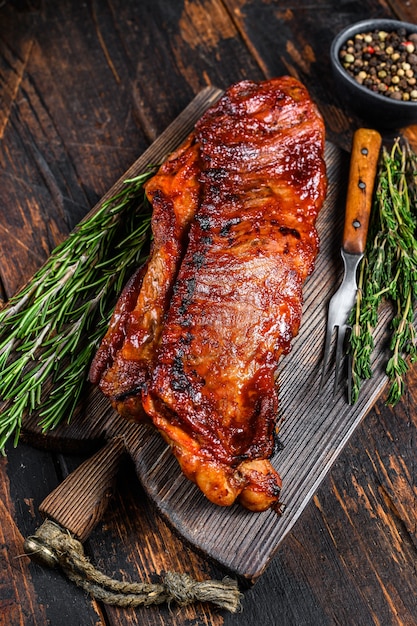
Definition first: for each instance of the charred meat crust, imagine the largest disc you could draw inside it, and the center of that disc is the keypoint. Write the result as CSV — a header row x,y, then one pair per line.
x,y
235,238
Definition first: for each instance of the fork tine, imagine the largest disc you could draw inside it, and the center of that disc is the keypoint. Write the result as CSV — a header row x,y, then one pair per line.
x,y
349,390
341,333
326,355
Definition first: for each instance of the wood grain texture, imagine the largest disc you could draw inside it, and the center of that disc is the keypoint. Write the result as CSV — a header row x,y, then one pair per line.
x,y
89,87
79,502
364,160
17,601
30,595
405,11
295,38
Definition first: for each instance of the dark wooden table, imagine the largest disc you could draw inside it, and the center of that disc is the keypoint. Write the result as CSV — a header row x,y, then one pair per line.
x,y
85,88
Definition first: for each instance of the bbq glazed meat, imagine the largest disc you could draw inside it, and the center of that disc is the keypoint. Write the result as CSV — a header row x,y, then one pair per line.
x,y
229,301
122,364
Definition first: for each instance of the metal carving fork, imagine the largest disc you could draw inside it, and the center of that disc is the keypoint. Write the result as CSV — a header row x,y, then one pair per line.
x,y
363,166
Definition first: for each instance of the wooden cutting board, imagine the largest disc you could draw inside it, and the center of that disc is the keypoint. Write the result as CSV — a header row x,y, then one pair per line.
x,y
314,429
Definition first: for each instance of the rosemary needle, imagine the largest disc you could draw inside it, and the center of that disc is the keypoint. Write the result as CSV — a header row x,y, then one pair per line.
x,y
51,329
388,272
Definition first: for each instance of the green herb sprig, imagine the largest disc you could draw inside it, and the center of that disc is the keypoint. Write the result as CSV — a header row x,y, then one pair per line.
x,y
51,329
388,272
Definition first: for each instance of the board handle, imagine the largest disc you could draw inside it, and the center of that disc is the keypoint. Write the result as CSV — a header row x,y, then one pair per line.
x,y
79,502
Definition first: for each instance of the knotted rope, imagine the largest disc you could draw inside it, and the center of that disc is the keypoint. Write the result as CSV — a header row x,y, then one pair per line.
x,y
52,546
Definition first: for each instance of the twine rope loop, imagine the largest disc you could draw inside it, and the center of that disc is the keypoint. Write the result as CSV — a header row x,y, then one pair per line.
x,y
51,545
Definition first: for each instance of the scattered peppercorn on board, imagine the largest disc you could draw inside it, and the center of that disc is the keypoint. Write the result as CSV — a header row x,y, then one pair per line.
x,y
314,428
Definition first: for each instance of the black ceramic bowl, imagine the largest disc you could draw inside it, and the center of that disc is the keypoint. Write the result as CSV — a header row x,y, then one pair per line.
x,y
379,110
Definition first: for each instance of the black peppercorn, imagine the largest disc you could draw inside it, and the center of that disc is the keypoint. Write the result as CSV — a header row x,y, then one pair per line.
x,y
385,62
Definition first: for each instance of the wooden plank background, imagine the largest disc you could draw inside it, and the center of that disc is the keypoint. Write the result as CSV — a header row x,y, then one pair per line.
x,y
86,87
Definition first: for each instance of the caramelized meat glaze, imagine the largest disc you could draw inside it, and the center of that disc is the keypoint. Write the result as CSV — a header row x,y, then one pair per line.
x,y
194,341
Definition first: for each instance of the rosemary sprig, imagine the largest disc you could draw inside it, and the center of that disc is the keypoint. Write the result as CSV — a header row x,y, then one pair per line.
x,y
51,329
388,272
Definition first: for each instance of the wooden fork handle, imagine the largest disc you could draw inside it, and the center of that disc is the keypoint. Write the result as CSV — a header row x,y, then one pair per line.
x,y
363,167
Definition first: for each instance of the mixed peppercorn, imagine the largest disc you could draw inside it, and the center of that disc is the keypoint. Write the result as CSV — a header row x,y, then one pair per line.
x,y
385,62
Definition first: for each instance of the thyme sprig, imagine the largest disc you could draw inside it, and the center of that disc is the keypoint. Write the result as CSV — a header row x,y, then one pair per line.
x,y
388,272
51,329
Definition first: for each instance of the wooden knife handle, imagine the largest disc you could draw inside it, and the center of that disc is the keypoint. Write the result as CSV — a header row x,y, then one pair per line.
x,y
363,167
78,503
